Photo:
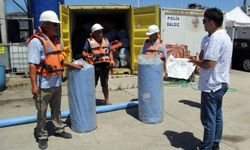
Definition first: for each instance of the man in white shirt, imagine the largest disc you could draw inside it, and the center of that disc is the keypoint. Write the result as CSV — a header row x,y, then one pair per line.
x,y
214,77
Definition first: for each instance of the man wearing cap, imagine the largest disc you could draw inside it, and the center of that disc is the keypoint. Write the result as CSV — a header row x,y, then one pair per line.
x,y
154,46
97,51
46,61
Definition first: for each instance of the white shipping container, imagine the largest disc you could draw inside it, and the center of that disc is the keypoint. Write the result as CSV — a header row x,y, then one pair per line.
x,y
183,27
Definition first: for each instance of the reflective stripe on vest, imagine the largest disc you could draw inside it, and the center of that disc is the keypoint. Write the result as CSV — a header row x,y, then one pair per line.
x,y
100,52
151,50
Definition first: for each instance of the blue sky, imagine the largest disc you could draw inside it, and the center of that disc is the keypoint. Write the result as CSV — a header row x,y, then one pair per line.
x,y
225,5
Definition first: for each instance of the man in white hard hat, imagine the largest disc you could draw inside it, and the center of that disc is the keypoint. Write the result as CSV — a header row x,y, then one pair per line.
x,y
97,51
46,61
154,46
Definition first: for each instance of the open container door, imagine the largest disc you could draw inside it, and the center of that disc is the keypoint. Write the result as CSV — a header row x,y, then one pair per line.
x,y
112,17
141,18
65,34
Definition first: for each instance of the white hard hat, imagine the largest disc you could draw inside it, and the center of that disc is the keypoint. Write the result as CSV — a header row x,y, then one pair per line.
x,y
96,27
152,29
49,16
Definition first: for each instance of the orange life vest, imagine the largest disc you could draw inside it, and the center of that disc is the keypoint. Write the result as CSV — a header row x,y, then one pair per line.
x,y
52,64
151,50
100,52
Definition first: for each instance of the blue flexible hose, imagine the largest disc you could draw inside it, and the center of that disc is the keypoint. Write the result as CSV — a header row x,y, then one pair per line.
x,y
64,114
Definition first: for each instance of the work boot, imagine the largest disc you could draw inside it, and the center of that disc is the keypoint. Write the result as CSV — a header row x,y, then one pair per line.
x,y
64,134
216,146
43,143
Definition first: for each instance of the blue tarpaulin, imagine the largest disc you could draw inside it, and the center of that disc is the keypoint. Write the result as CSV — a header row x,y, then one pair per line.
x,y
150,89
82,101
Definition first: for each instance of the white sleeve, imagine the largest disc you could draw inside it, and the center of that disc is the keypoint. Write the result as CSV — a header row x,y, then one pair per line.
x,y
213,49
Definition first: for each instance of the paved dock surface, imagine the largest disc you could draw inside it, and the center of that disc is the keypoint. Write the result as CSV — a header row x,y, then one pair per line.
x,y
122,130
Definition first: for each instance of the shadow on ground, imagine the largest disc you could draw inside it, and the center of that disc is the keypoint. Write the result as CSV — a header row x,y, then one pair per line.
x,y
183,140
190,103
50,128
133,111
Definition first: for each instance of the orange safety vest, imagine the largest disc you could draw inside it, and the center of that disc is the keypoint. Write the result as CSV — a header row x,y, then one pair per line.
x,y
52,64
100,52
151,50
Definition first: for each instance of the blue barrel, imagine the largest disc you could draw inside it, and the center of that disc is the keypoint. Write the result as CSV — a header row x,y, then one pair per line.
x,y
150,89
2,78
38,6
82,101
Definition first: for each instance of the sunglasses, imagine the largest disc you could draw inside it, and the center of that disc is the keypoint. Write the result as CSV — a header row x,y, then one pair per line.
x,y
204,21
55,24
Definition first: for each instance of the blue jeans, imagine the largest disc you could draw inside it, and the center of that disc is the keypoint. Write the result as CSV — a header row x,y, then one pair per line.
x,y
211,117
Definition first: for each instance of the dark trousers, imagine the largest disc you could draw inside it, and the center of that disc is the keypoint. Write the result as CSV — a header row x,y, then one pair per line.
x,y
51,97
211,117
102,72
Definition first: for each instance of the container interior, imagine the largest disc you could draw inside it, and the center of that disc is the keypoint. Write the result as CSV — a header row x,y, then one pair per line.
x,y
81,20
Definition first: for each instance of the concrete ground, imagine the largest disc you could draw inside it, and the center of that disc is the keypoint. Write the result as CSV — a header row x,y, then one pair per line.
x,y
122,130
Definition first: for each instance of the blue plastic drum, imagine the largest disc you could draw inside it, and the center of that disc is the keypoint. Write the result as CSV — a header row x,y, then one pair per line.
x,y
2,78
150,89
82,101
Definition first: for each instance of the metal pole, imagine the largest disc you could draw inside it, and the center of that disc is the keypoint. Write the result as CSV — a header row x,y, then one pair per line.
x,y
3,22
246,6
14,1
233,34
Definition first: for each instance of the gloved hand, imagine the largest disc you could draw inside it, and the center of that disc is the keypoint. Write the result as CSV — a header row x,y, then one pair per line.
x,y
65,52
64,55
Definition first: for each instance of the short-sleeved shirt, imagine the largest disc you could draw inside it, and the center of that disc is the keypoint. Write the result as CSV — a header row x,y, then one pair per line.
x,y
204,42
35,53
219,49
162,48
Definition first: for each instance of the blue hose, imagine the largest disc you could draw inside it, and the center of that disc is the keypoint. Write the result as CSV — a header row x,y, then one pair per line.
x,y
64,114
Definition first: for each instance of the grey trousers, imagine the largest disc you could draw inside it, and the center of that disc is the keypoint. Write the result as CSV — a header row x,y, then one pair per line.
x,y
51,97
